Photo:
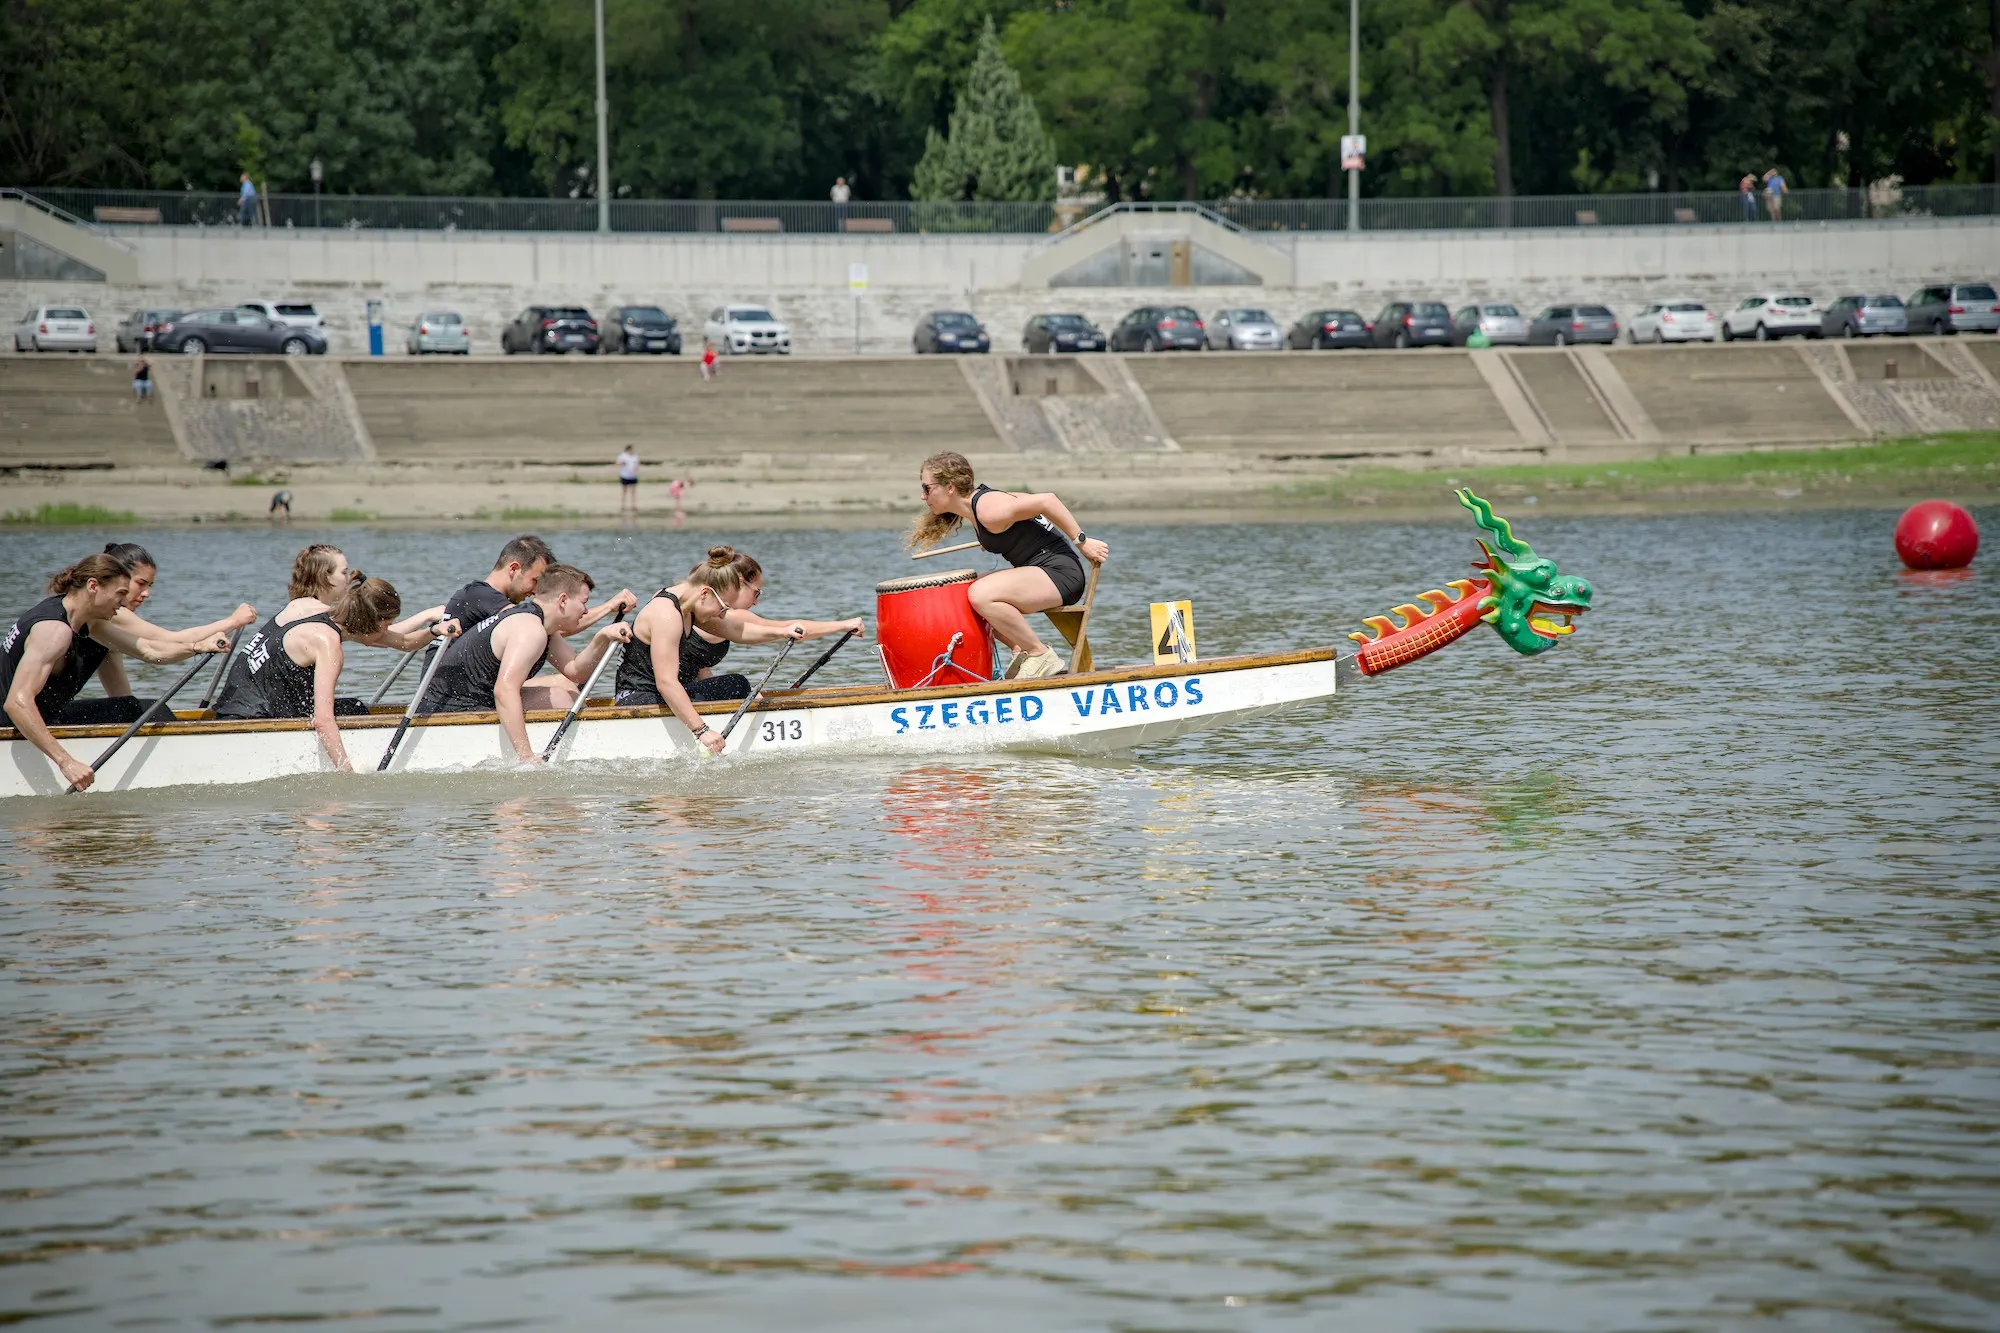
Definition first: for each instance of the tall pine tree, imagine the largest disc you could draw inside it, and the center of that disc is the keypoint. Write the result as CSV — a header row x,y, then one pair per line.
x,y
996,147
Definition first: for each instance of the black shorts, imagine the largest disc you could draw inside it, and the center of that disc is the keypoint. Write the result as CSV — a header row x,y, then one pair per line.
x,y
1066,572
628,481
706,690
118,709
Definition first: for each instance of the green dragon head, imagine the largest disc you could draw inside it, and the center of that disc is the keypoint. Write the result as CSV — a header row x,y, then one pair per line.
x,y
1528,594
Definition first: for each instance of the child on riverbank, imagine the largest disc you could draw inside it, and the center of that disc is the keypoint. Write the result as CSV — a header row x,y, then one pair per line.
x,y
707,359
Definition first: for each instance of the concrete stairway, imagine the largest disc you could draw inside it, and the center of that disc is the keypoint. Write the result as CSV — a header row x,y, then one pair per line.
x,y
66,412
1734,394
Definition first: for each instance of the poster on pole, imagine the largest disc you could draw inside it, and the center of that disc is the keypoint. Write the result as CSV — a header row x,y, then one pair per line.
x,y
857,277
1353,151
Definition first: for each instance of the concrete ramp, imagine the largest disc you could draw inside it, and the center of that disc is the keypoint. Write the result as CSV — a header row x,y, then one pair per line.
x,y
1132,245
41,243
1066,404
281,409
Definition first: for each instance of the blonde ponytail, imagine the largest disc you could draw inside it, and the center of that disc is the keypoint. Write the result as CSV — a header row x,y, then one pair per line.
x,y
950,470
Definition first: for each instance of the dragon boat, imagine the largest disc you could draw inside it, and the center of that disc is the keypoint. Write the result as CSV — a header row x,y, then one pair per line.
x,y
1522,596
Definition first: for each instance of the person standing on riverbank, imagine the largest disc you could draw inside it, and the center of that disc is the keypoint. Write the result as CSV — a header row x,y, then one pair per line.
x,y
678,489
628,481
1774,194
707,359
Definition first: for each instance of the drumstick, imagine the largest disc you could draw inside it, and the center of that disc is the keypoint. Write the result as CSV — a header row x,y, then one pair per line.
x,y
945,550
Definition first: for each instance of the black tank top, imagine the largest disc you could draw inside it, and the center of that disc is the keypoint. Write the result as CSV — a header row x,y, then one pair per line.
x,y
1028,542
70,675
466,677
635,668
264,681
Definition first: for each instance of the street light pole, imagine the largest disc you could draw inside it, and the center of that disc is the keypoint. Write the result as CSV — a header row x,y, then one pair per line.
x,y
318,174
603,142
1353,108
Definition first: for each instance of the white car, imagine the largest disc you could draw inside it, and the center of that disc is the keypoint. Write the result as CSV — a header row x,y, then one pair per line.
x,y
1769,315
736,329
1245,330
299,314
1672,322
56,328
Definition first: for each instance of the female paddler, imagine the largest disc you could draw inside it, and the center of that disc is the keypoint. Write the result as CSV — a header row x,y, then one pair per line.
x,y
320,574
290,667
683,634
53,650
1028,532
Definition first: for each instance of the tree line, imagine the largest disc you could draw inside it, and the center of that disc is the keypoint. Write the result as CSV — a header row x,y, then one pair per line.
x,y
1164,99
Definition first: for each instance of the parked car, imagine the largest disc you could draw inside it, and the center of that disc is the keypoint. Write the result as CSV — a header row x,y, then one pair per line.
x,y
1503,325
1561,325
1330,328
1159,328
135,332
56,328
1061,333
198,332
747,328
438,331
632,329
1673,322
1955,307
551,328
1769,315
1244,329
950,331
299,314
1865,316
1413,324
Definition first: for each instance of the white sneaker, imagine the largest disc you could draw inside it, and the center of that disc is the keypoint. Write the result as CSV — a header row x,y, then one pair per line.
x,y
1044,663
1014,666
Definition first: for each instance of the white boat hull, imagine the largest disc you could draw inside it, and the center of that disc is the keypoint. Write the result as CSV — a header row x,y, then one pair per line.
x,y
1099,712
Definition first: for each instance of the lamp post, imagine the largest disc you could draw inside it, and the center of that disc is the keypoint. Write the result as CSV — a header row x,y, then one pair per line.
x,y
318,175
603,142
1353,114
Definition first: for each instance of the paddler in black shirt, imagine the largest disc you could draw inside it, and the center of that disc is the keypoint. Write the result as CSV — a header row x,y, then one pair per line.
x,y
513,580
1028,531
51,652
492,665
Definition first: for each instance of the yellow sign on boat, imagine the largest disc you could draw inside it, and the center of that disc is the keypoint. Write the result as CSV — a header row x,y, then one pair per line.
x,y
1173,632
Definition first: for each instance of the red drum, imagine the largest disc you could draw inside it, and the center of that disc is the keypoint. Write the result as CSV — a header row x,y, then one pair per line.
x,y
915,624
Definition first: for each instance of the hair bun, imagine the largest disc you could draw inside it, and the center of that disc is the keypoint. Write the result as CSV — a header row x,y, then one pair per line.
x,y
720,555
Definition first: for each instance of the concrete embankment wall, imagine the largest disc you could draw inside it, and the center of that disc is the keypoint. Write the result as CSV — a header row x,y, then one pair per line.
x,y
489,277
830,416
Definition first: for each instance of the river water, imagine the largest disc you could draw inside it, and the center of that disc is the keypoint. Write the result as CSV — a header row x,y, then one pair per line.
x,y
1651,983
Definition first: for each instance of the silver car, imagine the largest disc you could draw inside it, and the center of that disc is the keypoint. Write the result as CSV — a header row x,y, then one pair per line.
x,y
736,329
1865,317
56,328
1245,330
1503,325
439,331
1955,307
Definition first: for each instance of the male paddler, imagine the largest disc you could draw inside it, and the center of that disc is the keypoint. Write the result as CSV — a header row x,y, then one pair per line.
x,y
54,649
513,580
492,665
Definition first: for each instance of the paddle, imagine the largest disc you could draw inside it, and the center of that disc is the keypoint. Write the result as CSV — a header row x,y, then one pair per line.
x,y
423,686
396,673
945,550
824,658
751,698
576,706
145,717
215,681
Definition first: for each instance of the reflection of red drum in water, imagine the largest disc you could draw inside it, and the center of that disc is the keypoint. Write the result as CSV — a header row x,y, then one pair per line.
x,y
914,623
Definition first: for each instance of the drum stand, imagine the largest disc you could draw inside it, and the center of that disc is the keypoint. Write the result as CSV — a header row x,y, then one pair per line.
x,y
939,664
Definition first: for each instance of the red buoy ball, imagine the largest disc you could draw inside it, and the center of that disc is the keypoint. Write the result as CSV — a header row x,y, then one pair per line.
x,y
1936,534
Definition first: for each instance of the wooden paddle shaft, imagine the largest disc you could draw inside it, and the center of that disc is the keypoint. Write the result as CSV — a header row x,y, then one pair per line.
x,y
751,698
945,550
146,716
423,685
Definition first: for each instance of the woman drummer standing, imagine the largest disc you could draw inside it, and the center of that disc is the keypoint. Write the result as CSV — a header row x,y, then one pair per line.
x,y
683,634
1028,532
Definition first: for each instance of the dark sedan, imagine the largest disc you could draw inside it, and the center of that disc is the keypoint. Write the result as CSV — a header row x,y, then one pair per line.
x,y
1318,329
198,332
1865,316
1160,328
1061,333
135,331
640,328
551,328
1413,324
950,331
1561,325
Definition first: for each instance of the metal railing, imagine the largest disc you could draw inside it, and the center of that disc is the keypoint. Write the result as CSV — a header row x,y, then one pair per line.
x,y
694,216
60,214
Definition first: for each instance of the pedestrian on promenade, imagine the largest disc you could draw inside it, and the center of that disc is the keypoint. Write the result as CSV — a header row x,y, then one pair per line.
x,y
1774,194
840,195
678,489
628,481
1748,188
142,381
707,359
246,202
